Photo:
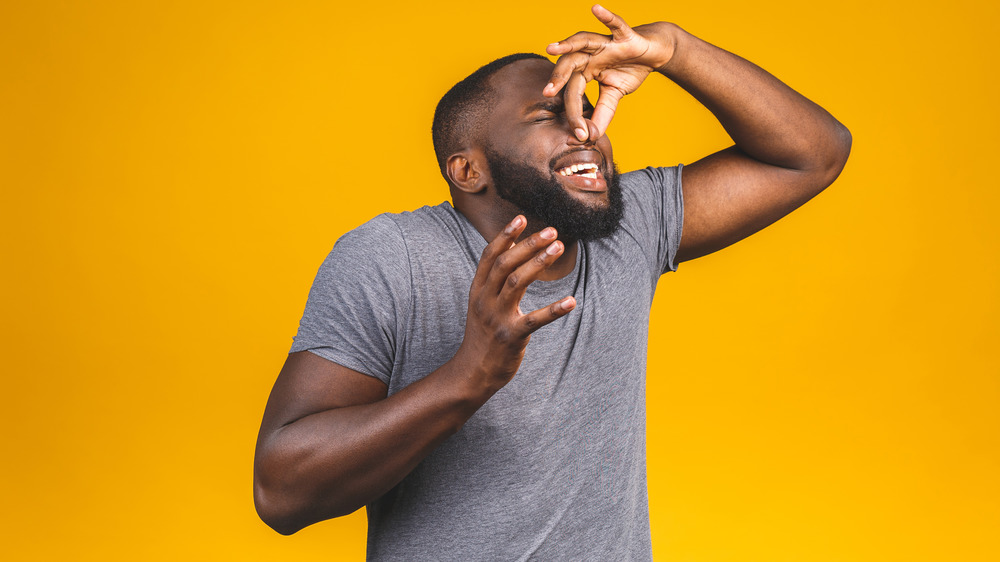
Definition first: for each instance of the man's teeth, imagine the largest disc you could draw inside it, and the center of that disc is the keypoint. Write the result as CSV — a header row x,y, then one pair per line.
x,y
583,170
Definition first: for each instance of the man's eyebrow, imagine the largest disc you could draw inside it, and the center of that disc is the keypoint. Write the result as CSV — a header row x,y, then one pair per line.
x,y
555,106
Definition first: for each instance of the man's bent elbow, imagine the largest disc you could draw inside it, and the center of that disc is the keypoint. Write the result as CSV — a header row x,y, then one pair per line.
x,y
274,510
839,151
827,159
288,509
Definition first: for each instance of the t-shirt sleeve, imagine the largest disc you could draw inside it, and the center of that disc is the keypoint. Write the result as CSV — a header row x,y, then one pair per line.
x,y
358,301
654,213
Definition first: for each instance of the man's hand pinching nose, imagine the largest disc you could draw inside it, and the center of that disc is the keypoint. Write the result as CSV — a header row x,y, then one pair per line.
x,y
619,62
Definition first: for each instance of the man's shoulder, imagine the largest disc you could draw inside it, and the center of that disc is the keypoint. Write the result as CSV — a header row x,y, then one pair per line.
x,y
653,216
652,175
392,227
426,217
431,234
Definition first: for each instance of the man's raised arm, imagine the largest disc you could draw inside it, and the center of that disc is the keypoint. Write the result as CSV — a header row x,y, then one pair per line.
x,y
787,148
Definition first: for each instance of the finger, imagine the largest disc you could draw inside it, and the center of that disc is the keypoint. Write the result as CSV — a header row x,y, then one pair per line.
x,y
582,41
500,244
563,71
511,259
593,133
519,279
620,30
535,320
604,109
573,102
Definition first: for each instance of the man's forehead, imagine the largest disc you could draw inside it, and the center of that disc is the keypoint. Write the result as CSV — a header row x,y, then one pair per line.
x,y
521,82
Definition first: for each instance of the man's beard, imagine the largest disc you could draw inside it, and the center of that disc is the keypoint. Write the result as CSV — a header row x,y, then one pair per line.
x,y
544,198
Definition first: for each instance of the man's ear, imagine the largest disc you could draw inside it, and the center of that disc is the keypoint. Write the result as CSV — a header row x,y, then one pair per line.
x,y
467,171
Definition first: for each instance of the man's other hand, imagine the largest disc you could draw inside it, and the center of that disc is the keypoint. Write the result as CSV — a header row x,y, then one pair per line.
x,y
496,331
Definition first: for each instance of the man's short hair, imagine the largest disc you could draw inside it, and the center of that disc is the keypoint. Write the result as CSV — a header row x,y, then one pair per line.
x,y
466,105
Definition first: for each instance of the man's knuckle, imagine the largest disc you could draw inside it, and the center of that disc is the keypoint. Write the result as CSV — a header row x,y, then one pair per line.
x,y
493,248
504,334
531,323
478,307
513,280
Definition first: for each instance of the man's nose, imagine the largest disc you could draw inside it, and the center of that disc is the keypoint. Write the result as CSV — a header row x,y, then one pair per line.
x,y
590,129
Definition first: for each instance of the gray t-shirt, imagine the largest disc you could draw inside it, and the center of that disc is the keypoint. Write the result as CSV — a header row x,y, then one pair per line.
x,y
553,466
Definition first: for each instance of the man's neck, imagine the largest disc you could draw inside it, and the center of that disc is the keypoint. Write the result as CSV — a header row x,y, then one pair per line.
x,y
489,226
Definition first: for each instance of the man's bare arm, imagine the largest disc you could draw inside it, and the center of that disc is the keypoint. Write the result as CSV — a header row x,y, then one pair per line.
x,y
331,441
787,149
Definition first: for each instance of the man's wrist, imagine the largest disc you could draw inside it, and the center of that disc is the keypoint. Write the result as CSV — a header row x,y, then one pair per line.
x,y
470,378
666,39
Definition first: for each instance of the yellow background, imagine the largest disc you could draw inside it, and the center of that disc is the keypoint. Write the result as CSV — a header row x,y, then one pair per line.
x,y
172,175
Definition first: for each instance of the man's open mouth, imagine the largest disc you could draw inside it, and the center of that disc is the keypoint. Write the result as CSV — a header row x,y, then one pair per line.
x,y
586,170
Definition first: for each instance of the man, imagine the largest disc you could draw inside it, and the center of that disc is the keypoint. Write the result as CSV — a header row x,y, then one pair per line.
x,y
412,388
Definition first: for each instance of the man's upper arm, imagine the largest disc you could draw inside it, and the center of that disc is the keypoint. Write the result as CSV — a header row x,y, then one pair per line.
x,y
729,196
309,384
287,456
355,314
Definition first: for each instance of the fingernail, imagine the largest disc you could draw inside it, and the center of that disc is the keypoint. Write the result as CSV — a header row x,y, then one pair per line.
x,y
566,304
553,249
548,234
581,134
548,87
513,224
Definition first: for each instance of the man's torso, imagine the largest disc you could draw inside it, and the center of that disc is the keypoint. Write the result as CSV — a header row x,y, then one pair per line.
x,y
553,465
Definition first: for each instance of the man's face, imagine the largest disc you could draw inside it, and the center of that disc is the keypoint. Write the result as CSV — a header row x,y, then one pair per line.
x,y
532,154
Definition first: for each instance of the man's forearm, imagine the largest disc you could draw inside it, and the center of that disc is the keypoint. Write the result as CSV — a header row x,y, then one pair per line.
x,y
333,462
766,119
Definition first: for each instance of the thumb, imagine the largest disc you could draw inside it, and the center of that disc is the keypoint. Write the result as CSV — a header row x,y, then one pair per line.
x,y
604,109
